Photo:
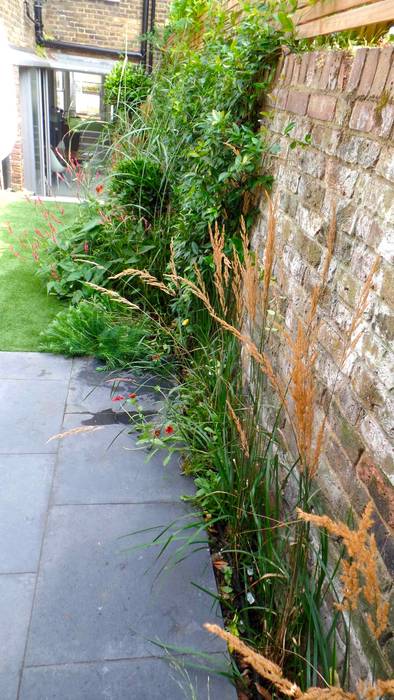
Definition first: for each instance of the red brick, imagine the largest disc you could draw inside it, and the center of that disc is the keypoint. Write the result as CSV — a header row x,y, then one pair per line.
x,y
310,73
297,102
288,68
382,71
322,107
344,71
296,70
363,116
303,68
378,487
357,69
281,98
389,87
368,73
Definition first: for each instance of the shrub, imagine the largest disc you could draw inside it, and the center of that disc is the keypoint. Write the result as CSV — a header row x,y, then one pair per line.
x,y
127,86
94,327
139,185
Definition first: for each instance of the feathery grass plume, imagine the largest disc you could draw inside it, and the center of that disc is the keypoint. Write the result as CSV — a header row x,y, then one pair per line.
x,y
302,391
76,431
172,259
359,575
146,277
269,255
264,667
241,432
272,673
250,275
221,262
114,295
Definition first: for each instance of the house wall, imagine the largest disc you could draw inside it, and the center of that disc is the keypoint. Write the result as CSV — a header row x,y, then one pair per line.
x,y
110,24
346,104
19,29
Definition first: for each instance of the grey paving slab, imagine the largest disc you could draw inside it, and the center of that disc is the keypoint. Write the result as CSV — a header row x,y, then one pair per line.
x,y
95,600
25,482
90,391
34,365
30,412
106,467
16,593
145,679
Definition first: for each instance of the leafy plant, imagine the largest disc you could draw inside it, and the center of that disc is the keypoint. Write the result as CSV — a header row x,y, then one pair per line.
x,y
95,328
138,185
127,86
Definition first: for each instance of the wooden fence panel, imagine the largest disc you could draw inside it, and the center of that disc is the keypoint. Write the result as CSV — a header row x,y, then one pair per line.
x,y
327,16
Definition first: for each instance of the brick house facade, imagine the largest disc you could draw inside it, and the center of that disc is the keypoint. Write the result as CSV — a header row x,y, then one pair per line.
x,y
79,37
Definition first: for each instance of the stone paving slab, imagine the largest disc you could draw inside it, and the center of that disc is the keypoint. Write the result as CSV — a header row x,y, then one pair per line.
x,y
25,483
31,411
82,627
142,679
34,365
16,595
98,599
106,467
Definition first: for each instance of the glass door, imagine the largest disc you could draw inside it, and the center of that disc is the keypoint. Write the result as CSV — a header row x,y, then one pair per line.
x,y
35,129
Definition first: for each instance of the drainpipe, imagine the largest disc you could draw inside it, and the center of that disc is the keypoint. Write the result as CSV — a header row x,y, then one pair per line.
x,y
149,62
86,48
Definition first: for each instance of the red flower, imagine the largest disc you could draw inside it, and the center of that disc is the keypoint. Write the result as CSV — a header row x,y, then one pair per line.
x,y
86,247
99,189
157,432
119,397
169,430
132,396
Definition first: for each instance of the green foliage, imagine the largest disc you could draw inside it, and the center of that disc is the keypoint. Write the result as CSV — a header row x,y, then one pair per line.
x,y
127,86
202,128
138,185
96,328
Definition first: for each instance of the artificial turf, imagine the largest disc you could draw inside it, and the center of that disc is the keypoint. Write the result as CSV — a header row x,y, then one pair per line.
x,y
25,307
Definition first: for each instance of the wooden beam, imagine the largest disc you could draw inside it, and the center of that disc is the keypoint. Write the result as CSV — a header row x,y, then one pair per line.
x,y
322,8
381,11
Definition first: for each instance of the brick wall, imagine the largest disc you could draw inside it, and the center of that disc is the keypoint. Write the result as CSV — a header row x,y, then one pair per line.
x,y
98,22
346,104
19,30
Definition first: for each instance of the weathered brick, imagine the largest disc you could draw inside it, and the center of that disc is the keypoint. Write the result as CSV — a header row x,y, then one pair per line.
x,y
297,102
288,69
384,120
363,116
325,138
303,68
385,166
386,245
340,177
357,69
311,192
312,162
382,71
348,287
389,86
379,445
296,70
347,435
310,222
369,71
355,149
378,486
384,323
322,107
385,283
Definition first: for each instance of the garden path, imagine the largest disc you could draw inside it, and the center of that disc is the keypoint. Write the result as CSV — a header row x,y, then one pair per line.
x,y
80,605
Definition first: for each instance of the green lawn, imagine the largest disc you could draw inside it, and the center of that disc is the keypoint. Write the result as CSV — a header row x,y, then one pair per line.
x,y
25,307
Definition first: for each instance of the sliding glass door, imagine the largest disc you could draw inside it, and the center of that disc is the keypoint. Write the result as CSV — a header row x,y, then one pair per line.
x,y
35,130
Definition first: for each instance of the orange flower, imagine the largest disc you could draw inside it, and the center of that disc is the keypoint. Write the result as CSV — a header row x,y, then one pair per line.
x,y
99,189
